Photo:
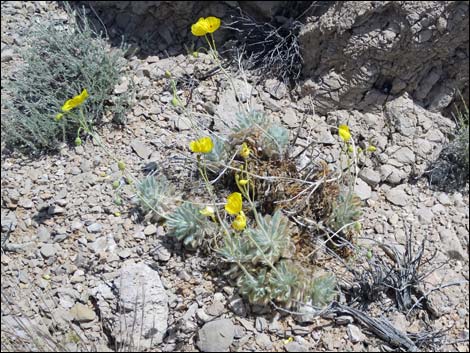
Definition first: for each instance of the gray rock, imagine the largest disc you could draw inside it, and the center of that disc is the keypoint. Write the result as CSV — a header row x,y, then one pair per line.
x,y
261,324
444,199
216,309
43,234
355,334
451,244
124,253
370,176
9,222
362,190
142,150
76,226
296,347
263,341
48,250
150,229
397,196
216,336
142,296
391,174
26,203
55,210
290,117
160,253
203,316
104,243
240,332
404,155
82,313
7,55
94,228
275,88
425,215
237,305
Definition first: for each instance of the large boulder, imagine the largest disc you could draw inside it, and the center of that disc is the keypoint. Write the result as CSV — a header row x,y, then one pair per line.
x,y
357,52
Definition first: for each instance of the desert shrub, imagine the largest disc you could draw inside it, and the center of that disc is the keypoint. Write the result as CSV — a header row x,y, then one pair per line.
x,y
59,61
451,169
269,48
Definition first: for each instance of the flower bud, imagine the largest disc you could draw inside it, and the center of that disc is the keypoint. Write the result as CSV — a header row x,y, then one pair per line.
x,y
78,141
121,166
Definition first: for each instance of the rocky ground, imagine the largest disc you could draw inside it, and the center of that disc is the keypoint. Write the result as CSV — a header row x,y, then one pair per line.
x,y
75,259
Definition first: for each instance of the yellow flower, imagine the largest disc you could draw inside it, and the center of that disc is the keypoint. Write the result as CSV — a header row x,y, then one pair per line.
x,y
75,101
240,222
205,25
343,131
245,151
59,116
213,24
234,203
203,145
207,211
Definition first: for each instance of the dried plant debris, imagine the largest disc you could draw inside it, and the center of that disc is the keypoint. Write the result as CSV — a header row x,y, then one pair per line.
x,y
400,276
269,48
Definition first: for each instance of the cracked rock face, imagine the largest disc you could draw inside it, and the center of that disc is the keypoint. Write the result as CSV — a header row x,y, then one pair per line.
x,y
356,53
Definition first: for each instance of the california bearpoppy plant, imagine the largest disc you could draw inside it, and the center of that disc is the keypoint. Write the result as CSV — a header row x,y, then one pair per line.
x,y
206,26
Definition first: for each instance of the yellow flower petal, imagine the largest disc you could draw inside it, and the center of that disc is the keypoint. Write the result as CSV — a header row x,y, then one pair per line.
x,y
200,28
203,145
245,150
343,131
213,24
240,222
234,203
75,101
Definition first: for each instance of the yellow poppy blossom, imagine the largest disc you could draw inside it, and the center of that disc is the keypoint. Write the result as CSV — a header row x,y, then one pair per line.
x,y
245,150
75,101
203,145
240,222
213,24
205,25
234,203
343,131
